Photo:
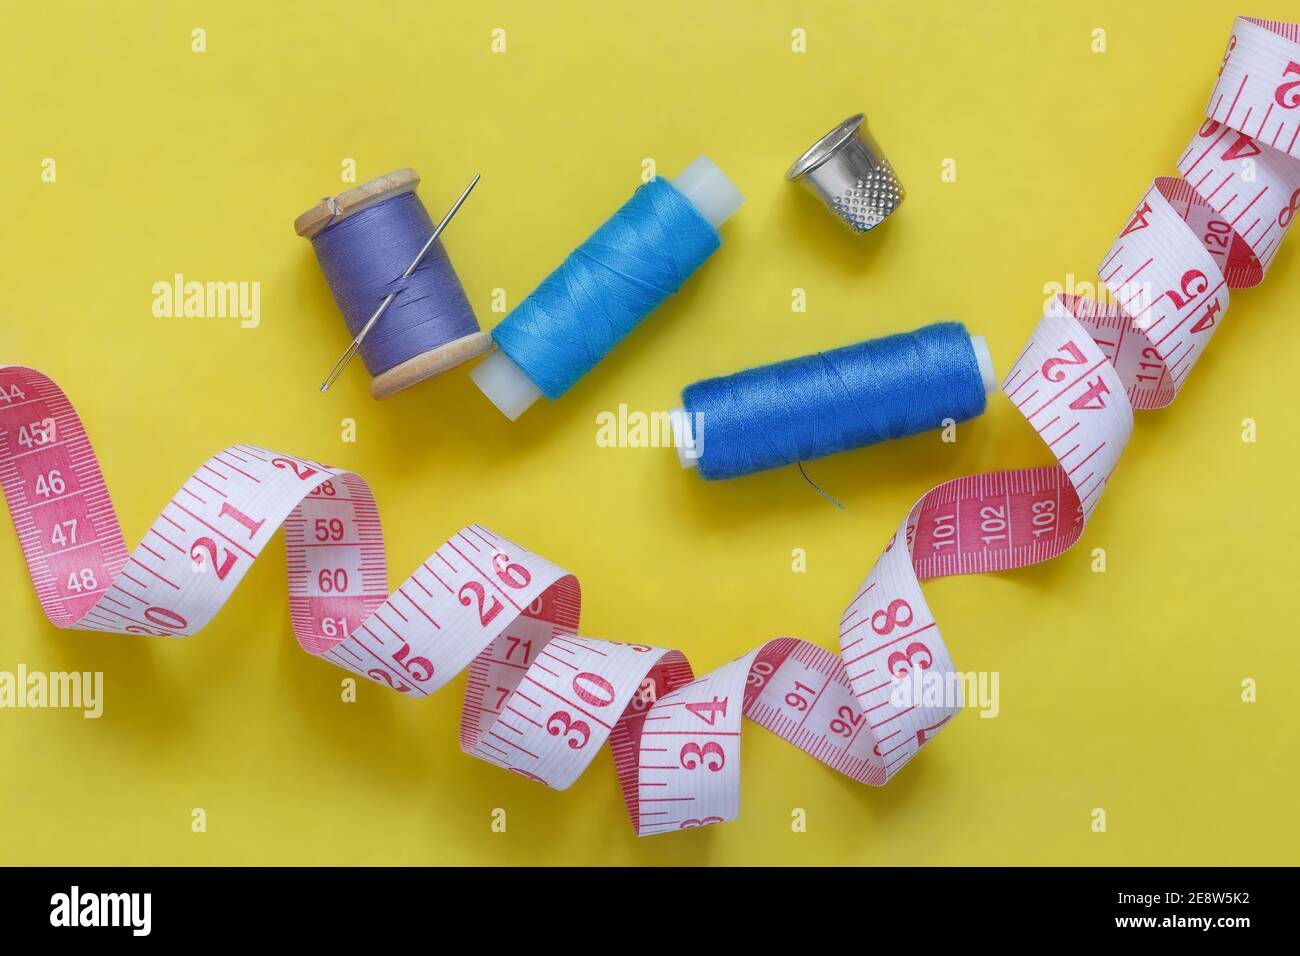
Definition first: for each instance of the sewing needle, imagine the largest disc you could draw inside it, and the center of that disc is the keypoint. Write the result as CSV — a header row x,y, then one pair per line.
x,y
346,357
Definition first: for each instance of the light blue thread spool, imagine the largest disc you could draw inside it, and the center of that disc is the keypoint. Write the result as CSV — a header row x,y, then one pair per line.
x,y
816,405
603,290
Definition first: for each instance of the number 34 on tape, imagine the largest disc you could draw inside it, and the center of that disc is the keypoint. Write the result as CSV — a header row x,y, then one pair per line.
x,y
541,700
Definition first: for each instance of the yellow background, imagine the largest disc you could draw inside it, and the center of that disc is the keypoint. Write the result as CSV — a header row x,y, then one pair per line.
x,y
1118,690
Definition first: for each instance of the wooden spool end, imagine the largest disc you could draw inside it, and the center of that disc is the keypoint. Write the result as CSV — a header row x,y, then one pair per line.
x,y
330,210
427,364
430,363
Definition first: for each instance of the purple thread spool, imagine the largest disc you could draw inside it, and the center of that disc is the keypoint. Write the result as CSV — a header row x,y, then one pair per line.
x,y
435,350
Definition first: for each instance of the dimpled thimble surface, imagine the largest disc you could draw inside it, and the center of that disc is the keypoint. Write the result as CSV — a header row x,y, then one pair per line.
x,y
849,173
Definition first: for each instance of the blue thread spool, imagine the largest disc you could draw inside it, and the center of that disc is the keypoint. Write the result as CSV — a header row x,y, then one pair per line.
x,y
364,239
816,405
639,257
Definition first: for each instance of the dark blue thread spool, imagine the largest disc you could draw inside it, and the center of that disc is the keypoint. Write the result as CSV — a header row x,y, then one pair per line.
x,y
816,405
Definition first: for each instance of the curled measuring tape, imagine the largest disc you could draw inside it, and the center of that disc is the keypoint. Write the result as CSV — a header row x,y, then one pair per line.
x,y
540,700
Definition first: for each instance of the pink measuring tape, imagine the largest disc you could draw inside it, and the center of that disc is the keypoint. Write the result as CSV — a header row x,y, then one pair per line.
x,y
540,700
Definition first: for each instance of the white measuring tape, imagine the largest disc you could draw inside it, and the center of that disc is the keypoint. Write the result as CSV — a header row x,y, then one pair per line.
x,y
540,700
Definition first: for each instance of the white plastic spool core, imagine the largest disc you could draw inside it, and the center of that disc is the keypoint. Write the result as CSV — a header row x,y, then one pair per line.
x,y
505,384
688,445
684,440
985,360
712,194
715,198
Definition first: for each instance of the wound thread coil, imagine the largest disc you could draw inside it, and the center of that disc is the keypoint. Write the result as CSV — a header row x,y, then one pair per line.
x,y
364,239
817,405
639,257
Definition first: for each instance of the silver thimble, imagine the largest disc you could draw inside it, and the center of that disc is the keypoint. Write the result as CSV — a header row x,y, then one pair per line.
x,y
847,171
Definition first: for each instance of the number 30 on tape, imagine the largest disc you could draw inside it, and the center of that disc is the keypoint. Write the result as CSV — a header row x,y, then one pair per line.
x,y
540,700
